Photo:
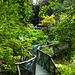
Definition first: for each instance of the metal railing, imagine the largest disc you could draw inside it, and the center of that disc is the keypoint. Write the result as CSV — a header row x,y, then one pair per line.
x,y
46,61
27,67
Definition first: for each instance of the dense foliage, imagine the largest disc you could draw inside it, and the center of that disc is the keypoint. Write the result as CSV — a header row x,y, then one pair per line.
x,y
12,25
65,21
47,50
15,32
64,30
48,22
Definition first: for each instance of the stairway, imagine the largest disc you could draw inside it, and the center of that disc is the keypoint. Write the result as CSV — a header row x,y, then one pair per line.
x,y
41,71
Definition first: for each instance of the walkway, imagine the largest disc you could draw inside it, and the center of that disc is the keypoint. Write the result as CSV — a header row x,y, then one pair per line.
x,y
41,71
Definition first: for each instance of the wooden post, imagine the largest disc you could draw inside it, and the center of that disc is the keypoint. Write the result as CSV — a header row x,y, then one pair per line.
x,y
54,70
18,70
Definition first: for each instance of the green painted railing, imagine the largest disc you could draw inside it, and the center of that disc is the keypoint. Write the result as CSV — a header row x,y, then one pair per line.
x,y
44,60
47,62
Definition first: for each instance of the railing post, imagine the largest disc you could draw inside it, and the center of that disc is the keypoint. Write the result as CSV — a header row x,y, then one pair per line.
x,y
41,56
37,55
18,70
49,63
54,70
41,59
35,65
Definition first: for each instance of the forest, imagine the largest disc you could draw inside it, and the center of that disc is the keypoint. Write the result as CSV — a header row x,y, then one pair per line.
x,y
25,24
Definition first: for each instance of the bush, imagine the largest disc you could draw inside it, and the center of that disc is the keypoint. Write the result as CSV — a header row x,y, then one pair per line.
x,y
47,50
67,70
13,22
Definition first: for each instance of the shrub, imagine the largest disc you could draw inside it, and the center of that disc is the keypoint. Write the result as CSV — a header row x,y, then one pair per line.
x,y
48,50
13,22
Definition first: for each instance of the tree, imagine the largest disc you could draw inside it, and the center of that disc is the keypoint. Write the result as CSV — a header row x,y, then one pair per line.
x,y
65,30
11,27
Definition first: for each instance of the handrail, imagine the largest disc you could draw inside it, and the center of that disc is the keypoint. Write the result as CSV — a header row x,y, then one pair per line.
x,y
25,61
43,52
55,66
19,63
38,49
40,27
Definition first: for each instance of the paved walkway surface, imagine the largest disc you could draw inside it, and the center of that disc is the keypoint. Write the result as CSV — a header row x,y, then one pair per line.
x,y
41,71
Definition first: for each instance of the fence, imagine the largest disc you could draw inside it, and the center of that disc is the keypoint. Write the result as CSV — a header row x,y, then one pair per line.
x,y
47,62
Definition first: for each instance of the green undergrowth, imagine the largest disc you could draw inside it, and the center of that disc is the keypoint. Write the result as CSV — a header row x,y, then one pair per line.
x,y
47,50
69,68
35,36
16,31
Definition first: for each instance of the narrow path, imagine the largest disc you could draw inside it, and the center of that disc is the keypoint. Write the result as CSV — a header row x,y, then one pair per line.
x,y
41,71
